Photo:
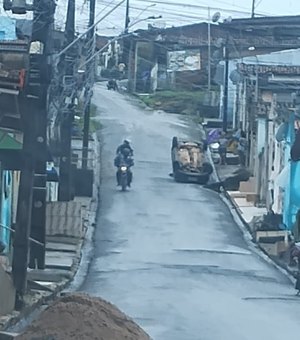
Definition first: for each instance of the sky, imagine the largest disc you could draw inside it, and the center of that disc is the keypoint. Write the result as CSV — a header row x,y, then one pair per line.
x,y
173,12
179,12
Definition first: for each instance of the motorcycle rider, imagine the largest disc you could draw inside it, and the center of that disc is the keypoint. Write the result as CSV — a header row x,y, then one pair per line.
x,y
124,146
124,154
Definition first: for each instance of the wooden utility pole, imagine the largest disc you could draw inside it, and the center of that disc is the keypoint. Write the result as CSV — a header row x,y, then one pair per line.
x,y
225,97
23,219
38,83
253,9
32,103
65,192
127,44
127,20
38,217
130,62
90,71
209,50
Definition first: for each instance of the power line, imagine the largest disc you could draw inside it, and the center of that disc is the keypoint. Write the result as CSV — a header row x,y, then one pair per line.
x,y
178,4
168,12
90,28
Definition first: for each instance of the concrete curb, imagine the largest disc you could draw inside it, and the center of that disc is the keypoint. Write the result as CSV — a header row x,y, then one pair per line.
x,y
255,248
246,231
87,250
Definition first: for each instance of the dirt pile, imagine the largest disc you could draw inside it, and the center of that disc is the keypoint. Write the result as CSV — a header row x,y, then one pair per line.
x,y
79,316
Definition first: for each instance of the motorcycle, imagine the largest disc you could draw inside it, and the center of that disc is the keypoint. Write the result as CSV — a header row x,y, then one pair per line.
x,y
123,177
112,85
124,174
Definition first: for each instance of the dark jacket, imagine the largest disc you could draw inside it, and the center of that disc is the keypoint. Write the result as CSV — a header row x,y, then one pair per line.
x,y
124,146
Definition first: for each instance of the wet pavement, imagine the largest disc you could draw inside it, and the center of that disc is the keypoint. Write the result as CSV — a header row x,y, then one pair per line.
x,y
170,255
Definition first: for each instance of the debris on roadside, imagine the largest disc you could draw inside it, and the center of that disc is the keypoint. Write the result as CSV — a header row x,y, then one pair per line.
x,y
80,316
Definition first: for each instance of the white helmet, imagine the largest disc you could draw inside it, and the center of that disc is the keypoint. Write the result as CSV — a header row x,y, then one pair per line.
x,y
127,141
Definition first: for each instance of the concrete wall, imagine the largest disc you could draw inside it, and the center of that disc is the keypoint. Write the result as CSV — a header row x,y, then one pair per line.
x,y
65,219
52,191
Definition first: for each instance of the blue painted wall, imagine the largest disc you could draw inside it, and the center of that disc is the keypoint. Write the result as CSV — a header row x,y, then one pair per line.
x,y
292,190
7,28
6,207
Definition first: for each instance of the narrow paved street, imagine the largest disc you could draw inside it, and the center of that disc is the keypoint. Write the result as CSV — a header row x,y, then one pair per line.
x,y
169,254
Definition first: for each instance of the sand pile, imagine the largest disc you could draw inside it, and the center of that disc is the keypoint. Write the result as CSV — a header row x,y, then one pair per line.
x,y
79,316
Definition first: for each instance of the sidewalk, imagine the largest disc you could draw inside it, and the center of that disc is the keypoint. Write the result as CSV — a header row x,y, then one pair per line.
x,y
63,255
243,202
243,198
66,228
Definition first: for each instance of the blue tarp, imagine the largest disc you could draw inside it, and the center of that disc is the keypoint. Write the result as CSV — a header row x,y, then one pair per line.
x,y
7,28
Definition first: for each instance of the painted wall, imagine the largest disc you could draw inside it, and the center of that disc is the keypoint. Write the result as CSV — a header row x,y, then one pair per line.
x,y
7,28
52,187
6,205
291,203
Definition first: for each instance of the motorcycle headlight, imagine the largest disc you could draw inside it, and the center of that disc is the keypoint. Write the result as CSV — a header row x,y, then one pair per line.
x,y
123,168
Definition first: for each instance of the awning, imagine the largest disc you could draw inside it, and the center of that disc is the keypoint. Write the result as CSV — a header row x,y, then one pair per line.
x,y
11,152
8,142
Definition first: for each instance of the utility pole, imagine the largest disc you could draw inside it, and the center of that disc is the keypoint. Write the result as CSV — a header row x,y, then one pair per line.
x,y
32,195
209,51
253,9
67,114
23,218
89,84
225,98
136,55
38,84
64,50
131,65
127,20
127,42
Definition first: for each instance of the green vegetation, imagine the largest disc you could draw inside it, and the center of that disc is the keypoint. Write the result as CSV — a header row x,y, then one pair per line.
x,y
181,102
95,124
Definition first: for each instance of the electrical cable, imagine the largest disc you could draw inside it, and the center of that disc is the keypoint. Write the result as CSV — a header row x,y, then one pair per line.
x,y
234,46
226,10
180,13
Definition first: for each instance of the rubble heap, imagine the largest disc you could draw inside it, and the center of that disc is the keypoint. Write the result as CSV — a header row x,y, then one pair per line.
x,y
79,316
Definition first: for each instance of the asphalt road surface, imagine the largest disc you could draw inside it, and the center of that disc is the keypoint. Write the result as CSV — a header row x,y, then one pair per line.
x,y
170,255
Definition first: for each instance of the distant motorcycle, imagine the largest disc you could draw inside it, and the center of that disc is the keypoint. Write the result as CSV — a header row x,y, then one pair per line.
x,y
214,149
112,85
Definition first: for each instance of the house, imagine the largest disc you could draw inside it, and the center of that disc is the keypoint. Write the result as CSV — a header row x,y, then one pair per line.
x,y
178,56
265,109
